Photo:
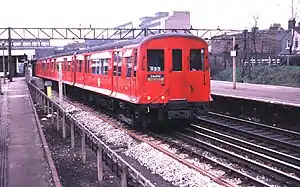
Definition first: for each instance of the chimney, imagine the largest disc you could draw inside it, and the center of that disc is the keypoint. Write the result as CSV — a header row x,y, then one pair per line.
x,y
291,24
275,27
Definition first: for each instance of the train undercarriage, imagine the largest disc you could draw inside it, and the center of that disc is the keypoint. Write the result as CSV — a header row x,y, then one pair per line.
x,y
139,115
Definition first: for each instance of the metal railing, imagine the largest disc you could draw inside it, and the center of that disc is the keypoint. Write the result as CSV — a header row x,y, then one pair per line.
x,y
126,171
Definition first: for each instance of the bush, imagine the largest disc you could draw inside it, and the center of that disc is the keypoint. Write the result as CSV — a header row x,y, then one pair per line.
x,y
281,75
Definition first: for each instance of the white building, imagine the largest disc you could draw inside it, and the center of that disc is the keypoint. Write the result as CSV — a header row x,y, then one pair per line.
x,y
161,20
296,40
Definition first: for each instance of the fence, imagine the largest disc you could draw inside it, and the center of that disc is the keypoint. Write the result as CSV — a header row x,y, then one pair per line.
x,y
104,153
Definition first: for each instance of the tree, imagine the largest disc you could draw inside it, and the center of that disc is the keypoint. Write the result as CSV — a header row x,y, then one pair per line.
x,y
294,16
253,37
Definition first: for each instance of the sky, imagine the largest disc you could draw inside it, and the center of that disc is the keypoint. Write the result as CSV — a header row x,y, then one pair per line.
x,y
229,14
234,14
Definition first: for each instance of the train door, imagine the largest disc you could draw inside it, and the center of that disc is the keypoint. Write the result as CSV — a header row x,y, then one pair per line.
x,y
117,64
133,76
79,75
73,70
86,70
64,68
197,79
177,79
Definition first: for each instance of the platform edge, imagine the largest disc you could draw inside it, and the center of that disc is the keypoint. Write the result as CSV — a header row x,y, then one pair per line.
x,y
257,99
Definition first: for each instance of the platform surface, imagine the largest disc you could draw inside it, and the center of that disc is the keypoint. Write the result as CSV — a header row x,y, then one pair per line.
x,y
26,162
265,93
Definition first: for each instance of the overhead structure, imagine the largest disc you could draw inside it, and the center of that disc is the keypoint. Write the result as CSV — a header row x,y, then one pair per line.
x,y
39,37
100,33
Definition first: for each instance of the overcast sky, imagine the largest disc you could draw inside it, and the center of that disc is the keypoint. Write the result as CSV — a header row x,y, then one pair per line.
x,y
234,14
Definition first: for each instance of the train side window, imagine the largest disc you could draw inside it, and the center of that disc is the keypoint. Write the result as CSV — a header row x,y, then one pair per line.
x,y
135,63
128,66
115,62
119,66
105,67
99,66
156,60
79,65
69,66
86,66
177,60
196,59
94,66
72,66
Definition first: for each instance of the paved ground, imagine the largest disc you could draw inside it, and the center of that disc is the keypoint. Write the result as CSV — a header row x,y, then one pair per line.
x,y
26,163
275,94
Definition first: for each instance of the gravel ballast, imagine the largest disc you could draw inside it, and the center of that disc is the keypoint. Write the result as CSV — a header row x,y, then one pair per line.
x,y
159,163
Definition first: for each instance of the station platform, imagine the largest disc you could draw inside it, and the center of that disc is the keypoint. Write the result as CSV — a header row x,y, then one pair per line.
x,y
258,92
23,159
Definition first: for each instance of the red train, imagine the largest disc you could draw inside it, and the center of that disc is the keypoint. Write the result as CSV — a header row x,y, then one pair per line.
x,y
163,76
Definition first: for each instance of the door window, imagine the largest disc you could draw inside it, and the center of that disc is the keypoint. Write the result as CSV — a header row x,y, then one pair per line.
x,y
196,59
177,60
128,66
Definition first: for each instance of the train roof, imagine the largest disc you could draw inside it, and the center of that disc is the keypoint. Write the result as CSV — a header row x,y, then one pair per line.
x,y
123,43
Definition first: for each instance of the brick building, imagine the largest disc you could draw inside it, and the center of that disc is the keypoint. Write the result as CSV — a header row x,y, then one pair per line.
x,y
255,46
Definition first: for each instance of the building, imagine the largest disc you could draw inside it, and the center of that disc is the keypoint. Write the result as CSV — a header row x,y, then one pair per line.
x,y
161,20
255,46
166,20
22,50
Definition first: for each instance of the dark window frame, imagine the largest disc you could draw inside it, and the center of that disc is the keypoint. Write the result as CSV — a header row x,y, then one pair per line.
x,y
176,55
197,57
155,60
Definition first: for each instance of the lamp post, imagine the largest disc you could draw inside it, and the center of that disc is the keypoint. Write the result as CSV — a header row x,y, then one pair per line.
x,y
3,61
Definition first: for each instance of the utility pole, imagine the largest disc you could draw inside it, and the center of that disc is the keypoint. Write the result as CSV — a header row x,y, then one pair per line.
x,y
60,87
1,93
233,54
3,61
9,55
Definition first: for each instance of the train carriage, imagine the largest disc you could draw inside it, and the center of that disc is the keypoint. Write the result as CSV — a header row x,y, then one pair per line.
x,y
164,76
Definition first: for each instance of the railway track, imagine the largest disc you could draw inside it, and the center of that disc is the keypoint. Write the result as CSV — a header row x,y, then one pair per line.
x,y
238,163
236,141
278,143
234,164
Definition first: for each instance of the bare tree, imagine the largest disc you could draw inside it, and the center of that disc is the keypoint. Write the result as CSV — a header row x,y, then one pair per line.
x,y
253,37
294,16
245,55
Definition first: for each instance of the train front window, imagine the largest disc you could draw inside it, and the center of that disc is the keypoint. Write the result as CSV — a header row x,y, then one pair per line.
x,y
156,60
196,59
177,59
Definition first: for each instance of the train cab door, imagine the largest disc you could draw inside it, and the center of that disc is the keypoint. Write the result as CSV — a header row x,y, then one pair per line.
x,y
177,79
196,79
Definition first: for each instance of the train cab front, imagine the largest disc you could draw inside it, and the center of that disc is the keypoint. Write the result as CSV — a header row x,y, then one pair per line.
x,y
176,77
